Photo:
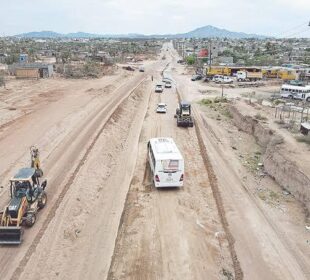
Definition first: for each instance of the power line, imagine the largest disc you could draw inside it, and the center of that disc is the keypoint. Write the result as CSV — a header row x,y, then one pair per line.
x,y
293,28
297,33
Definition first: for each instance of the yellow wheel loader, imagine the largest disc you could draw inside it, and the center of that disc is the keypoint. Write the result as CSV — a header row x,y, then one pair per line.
x,y
27,197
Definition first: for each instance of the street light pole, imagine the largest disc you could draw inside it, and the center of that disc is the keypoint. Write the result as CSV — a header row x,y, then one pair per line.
x,y
210,54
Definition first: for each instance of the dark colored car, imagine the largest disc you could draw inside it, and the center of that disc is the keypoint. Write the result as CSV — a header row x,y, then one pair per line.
x,y
129,68
196,77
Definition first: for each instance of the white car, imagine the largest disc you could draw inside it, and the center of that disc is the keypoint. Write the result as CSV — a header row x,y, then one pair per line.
x,y
159,88
216,78
168,84
161,108
224,80
166,80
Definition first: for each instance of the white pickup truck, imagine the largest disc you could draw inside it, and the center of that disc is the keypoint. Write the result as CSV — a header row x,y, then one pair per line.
x,y
224,80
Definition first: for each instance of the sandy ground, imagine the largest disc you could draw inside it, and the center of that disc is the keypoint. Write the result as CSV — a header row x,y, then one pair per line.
x,y
105,220
270,236
182,237
63,131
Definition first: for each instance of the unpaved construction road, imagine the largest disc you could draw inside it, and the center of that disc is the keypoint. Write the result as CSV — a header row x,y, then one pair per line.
x,y
104,219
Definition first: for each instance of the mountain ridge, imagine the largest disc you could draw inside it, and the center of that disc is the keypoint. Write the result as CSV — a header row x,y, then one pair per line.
x,y
207,31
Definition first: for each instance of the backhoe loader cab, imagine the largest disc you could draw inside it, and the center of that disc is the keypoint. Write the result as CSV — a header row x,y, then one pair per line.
x,y
27,197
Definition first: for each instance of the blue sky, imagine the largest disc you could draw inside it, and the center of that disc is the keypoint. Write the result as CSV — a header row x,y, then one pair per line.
x,y
272,17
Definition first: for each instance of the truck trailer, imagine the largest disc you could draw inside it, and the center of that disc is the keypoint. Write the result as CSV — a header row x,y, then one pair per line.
x,y
246,76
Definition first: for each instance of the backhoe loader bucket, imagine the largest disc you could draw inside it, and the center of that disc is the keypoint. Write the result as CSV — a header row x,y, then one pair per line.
x,y
10,235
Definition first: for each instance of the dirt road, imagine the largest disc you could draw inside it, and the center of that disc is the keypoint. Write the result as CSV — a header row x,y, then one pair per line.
x,y
268,245
104,219
64,131
170,233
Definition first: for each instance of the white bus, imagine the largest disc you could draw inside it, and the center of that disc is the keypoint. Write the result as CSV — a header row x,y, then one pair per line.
x,y
166,162
295,92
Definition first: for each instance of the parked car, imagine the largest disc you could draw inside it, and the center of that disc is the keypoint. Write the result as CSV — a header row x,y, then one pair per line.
x,y
207,79
224,80
168,84
217,77
166,80
196,77
128,68
141,69
159,88
161,108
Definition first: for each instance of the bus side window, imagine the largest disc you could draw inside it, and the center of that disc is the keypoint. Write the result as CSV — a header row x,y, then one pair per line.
x,y
152,156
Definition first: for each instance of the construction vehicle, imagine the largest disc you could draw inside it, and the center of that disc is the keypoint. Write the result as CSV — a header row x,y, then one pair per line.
x,y
27,197
270,73
288,75
183,115
246,76
217,70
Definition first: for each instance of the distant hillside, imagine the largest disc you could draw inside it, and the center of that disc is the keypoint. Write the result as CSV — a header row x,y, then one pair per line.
x,y
210,31
80,35
202,32
40,34
51,34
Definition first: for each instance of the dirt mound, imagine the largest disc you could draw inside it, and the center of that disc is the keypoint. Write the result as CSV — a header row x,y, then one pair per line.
x,y
277,162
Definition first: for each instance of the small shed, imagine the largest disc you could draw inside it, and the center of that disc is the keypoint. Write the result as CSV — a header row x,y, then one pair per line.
x,y
304,128
27,73
30,70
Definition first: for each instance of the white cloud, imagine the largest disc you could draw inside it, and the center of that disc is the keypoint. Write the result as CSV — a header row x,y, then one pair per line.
x,y
272,17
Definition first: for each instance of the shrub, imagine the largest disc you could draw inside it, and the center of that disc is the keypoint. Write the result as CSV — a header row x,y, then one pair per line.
x,y
258,116
2,82
220,100
206,101
304,139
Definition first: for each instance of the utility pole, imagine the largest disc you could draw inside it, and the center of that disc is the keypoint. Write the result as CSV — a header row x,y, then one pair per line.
x,y
210,54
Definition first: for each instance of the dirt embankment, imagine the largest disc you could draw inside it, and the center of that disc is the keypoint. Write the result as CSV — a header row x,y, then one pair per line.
x,y
81,235
276,159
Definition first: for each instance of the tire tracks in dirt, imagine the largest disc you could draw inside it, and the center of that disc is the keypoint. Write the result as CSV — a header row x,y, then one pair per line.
x,y
217,196
114,105
124,213
170,246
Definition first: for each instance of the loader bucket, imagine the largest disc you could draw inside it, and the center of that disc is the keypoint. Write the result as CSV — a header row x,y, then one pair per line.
x,y
10,235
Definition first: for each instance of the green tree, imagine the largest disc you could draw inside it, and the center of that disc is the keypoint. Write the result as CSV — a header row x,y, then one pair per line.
x,y
12,58
190,60
65,56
